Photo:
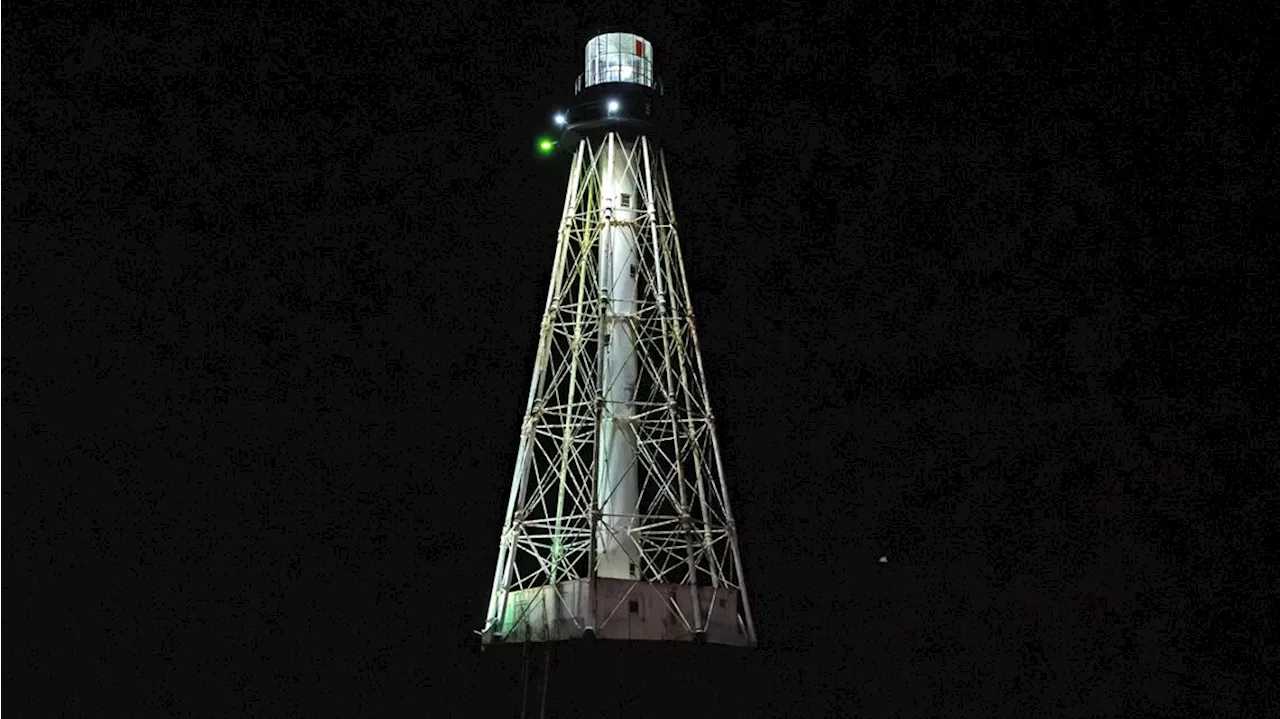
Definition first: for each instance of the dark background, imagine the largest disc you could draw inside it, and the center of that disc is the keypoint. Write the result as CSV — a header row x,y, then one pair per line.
x,y
982,289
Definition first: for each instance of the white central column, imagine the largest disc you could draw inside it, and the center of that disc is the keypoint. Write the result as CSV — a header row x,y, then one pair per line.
x,y
619,269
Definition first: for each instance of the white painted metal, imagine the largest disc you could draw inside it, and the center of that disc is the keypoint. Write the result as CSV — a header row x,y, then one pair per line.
x,y
619,494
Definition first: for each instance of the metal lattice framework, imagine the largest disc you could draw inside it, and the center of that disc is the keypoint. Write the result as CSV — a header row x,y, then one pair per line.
x,y
618,472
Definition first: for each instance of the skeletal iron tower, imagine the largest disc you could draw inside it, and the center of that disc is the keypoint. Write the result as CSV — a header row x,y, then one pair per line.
x,y
618,524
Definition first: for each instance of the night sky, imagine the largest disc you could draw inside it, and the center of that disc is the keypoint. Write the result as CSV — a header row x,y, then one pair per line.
x,y
982,290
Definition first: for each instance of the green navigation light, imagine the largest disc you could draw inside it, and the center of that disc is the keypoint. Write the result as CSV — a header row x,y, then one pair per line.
x,y
546,146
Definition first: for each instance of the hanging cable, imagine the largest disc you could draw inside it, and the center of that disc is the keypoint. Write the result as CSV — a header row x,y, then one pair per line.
x,y
524,675
546,676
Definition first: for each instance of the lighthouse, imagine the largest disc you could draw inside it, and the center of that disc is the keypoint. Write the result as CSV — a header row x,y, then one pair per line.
x,y
618,523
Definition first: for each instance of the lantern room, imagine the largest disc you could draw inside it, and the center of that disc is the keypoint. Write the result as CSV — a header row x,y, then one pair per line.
x,y
619,57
